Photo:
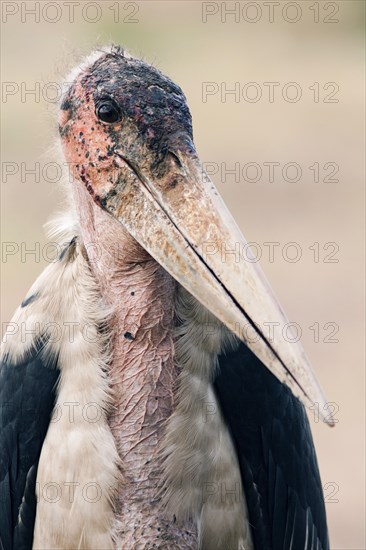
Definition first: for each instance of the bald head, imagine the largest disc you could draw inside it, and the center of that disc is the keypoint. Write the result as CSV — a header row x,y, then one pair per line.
x,y
121,104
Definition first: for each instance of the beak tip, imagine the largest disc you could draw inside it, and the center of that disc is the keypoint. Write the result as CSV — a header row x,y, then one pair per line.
x,y
324,410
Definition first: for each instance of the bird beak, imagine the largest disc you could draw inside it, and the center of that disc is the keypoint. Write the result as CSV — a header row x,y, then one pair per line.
x,y
183,223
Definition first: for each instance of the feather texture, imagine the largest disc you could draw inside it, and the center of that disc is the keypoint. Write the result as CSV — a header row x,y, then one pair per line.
x,y
276,453
239,452
202,472
27,395
78,466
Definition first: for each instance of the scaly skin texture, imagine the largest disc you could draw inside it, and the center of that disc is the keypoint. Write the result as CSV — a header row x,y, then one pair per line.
x,y
142,374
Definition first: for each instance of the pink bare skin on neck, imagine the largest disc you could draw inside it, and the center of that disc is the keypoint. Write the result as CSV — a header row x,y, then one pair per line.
x,y
142,372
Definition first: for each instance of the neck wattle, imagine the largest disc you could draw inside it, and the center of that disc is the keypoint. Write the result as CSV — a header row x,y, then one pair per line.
x,y
142,372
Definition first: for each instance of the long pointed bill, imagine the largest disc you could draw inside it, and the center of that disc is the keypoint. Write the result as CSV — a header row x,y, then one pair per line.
x,y
184,224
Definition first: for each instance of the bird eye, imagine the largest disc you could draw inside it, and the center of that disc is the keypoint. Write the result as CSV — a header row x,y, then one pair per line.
x,y
108,111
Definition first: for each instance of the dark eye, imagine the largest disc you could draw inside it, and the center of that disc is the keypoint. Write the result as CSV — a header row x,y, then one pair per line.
x,y
108,111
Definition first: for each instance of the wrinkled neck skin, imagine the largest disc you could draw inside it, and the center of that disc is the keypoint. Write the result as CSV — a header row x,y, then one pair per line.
x,y
142,372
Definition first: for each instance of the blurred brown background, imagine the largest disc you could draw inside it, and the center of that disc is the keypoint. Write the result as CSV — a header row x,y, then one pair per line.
x,y
323,44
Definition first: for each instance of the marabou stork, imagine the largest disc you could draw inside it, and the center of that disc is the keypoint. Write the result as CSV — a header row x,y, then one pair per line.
x,y
143,403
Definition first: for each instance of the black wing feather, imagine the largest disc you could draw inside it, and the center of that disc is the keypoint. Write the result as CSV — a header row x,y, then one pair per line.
x,y
276,454
27,397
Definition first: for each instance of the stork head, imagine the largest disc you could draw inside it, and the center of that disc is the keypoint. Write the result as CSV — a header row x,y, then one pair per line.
x,y
121,115
126,131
